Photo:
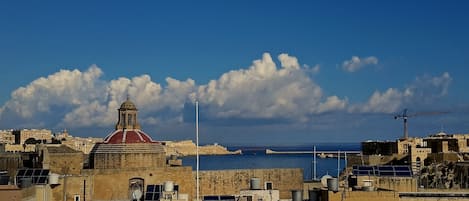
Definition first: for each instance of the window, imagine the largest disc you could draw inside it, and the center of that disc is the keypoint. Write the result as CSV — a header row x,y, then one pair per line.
x,y
123,119
268,185
153,192
76,198
130,122
136,188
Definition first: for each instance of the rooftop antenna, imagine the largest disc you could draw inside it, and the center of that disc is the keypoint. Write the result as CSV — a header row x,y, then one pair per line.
x,y
197,146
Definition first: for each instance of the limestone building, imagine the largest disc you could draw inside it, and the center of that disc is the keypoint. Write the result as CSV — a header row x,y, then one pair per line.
x,y
127,147
130,165
7,137
38,134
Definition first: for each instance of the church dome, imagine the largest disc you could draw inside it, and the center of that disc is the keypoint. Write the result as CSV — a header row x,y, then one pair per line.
x,y
128,105
125,136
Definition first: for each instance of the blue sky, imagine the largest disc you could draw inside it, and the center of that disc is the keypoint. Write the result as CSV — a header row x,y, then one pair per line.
x,y
264,71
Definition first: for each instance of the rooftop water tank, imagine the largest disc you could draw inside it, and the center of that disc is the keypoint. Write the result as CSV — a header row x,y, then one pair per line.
x,y
297,195
255,184
367,182
314,195
168,186
333,184
324,180
53,178
368,185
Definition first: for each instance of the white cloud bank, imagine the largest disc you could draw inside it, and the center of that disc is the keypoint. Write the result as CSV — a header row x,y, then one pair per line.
x,y
356,63
424,90
263,90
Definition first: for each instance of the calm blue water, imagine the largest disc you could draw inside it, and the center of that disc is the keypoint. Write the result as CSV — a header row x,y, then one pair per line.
x,y
255,157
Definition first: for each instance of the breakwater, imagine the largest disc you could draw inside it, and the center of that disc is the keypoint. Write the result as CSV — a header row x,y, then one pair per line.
x,y
322,154
254,157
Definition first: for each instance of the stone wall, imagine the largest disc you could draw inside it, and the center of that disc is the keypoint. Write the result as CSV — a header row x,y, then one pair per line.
x,y
442,157
20,147
371,159
434,196
10,193
230,182
379,148
10,162
402,184
39,134
65,163
127,160
108,184
113,184
363,196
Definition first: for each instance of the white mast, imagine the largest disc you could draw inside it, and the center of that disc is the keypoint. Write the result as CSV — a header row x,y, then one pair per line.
x,y
338,164
314,161
197,146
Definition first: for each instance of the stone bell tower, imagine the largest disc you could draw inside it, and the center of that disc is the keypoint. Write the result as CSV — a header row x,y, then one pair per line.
x,y
127,118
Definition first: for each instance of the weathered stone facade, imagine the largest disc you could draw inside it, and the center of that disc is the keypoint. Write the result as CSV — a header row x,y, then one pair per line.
x,y
230,182
128,155
39,134
125,156
113,184
61,159
107,184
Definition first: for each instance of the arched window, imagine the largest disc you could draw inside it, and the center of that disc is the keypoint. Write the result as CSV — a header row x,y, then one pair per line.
x,y
130,120
122,119
136,189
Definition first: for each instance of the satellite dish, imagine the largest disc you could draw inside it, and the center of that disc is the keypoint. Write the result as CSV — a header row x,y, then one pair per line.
x,y
324,180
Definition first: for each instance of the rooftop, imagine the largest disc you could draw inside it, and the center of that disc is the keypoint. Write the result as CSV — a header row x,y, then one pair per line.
x,y
128,136
60,149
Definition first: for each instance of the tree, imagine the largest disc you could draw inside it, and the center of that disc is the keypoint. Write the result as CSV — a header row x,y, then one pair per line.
x,y
56,141
32,141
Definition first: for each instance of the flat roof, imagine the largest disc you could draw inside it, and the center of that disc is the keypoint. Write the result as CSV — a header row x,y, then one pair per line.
x,y
434,194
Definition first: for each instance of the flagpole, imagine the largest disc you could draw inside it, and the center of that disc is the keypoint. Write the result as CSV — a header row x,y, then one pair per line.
x,y
197,146
314,167
338,164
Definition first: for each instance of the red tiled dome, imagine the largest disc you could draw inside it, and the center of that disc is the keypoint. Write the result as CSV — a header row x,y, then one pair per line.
x,y
128,136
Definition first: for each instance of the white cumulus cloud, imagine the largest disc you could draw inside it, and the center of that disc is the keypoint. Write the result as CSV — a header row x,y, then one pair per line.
x,y
356,63
424,90
83,99
265,90
62,88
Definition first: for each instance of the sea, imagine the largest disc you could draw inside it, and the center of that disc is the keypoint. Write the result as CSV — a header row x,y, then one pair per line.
x,y
253,157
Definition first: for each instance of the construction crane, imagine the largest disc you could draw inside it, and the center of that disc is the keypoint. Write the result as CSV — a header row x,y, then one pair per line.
x,y
404,116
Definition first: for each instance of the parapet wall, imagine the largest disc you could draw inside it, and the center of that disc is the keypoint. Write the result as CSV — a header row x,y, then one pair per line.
x,y
230,182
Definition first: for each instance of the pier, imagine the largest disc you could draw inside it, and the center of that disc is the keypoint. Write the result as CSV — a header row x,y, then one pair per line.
x,y
322,154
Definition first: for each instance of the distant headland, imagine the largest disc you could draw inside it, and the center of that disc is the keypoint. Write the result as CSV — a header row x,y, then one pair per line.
x,y
188,148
